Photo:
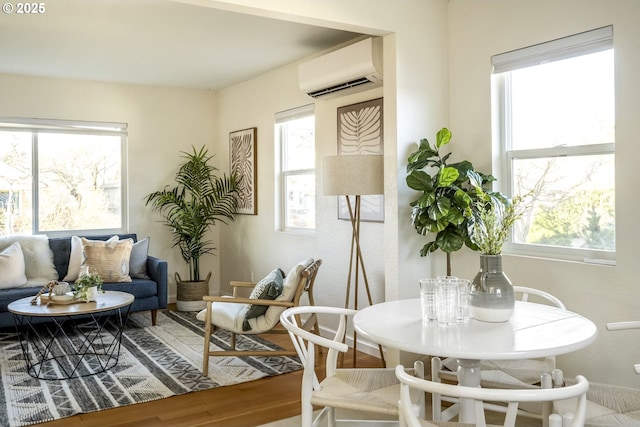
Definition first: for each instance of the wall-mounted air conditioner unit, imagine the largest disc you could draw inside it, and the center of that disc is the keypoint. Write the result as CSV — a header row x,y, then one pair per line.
x,y
347,70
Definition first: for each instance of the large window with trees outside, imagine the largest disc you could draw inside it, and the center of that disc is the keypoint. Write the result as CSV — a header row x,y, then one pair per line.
x,y
295,131
58,177
556,126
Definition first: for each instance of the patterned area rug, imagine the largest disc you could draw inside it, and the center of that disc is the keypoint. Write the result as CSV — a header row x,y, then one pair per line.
x,y
155,362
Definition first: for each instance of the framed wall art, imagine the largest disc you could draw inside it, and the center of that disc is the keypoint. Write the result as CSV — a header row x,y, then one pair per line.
x,y
244,166
360,131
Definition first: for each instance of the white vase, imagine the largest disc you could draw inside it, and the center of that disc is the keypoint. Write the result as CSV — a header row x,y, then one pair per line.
x,y
92,293
491,298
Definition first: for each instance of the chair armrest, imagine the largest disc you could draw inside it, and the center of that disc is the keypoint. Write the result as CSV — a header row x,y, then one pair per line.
x,y
157,271
618,326
235,300
237,285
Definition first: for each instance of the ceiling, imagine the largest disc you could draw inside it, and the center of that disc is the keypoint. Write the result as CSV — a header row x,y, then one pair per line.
x,y
153,42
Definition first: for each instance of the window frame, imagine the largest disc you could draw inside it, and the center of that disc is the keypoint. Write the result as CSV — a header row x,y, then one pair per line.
x,y
76,127
282,118
593,41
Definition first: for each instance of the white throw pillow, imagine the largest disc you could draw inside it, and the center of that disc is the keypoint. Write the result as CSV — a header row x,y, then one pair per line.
x,y
38,258
12,267
138,260
75,258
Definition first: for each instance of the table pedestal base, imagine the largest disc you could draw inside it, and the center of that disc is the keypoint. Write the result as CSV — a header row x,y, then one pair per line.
x,y
469,376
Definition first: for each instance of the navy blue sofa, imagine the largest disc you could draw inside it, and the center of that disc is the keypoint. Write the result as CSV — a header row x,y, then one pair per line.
x,y
150,294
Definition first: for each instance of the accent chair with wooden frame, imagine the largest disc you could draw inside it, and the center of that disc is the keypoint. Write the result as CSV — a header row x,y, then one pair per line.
x,y
228,312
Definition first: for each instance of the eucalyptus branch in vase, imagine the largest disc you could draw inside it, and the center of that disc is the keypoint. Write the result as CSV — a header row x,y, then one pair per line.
x,y
492,221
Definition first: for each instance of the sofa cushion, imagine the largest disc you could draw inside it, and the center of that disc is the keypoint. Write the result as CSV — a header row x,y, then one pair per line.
x,y
12,273
109,260
139,288
75,258
38,258
138,259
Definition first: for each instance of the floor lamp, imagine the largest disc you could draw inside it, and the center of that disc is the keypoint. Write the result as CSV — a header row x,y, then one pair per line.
x,y
354,175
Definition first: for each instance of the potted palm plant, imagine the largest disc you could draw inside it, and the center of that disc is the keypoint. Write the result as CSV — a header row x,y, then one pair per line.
x,y
190,209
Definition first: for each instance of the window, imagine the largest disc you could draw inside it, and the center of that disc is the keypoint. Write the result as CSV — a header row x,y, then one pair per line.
x,y
61,176
295,130
556,126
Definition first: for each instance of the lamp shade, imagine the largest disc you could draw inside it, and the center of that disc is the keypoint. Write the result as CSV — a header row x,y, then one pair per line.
x,y
352,175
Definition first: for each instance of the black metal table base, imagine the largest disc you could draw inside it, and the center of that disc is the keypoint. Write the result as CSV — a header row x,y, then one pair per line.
x,y
71,346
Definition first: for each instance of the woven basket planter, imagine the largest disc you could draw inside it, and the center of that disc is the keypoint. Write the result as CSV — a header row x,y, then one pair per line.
x,y
190,294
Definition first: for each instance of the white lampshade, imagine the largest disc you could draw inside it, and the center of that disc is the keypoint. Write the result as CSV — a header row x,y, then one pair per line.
x,y
352,175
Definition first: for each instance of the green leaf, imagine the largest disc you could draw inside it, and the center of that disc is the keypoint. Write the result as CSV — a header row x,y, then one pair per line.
x,y
426,200
428,248
420,180
448,176
421,158
424,144
454,216
443,137
449,240
462,199
440,208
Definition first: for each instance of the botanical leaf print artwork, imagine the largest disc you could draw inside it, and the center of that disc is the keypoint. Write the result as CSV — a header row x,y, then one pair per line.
x,y
360,131
243,167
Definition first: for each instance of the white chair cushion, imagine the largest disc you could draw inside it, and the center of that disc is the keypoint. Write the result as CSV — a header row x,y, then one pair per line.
x,y
291,281
225,315
230,316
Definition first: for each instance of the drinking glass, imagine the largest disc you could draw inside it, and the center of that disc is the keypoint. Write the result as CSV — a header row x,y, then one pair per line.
x,y
447,303
428,299
464,286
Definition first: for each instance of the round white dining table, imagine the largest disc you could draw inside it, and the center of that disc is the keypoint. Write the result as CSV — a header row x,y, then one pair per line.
x,y
534,330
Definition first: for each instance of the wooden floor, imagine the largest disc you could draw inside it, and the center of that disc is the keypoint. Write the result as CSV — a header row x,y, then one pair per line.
x,y
242,405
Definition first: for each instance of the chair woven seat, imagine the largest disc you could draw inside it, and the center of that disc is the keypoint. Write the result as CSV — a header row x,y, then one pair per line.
x,y
609,405
370,390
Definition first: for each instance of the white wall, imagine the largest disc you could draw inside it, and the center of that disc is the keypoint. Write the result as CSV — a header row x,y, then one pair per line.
x,y
162,122
478,30
253,244
416,105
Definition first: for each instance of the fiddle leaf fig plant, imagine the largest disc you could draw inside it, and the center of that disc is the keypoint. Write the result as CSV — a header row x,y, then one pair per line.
x,y
449,193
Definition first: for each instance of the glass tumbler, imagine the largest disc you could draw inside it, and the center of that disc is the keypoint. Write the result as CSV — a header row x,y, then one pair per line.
x,y
447,303
464,286
428,299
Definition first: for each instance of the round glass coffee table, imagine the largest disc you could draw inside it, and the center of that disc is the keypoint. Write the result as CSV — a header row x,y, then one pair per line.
x,y
77,339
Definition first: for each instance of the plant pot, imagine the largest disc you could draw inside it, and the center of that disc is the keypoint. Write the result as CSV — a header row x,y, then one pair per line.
x,y
190,293
491,298
92,294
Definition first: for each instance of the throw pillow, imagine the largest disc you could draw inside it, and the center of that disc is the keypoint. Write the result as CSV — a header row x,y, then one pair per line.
x,y
293,277
268,288
12,267
107,259
138,260
38,258
75,258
